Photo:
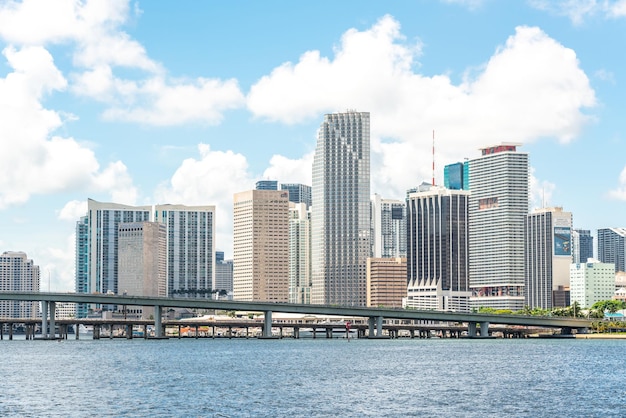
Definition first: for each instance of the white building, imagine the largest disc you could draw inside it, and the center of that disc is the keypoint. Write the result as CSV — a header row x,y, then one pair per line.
x,y
591,282
548,257
299,253
340,217
18,274
261,246
388,227
498,206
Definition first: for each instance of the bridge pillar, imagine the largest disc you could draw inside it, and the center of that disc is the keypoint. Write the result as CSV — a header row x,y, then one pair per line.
x,y
44,319
378,322
158,327
267,325
484,329
53,314
471,329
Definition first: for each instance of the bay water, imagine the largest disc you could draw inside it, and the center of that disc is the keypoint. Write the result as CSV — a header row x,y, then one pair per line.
x,y
313,378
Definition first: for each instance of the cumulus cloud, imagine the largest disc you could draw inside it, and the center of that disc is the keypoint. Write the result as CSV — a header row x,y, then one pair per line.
x,y
210,179
57,265
578,10
287,170
619,193
541,191
531,88
73,210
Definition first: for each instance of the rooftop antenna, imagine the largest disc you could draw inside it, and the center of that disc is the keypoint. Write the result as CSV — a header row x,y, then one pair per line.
x,y
433,157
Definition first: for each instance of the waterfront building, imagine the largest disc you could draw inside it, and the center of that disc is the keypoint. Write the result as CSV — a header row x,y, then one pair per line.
x,y
298,193
437,249
388,230
498,205
612,248
386,282
548,256
81,266
261,246
591,282
223,285
266,185
456,176
65,310
340,217
299,253
18,274
190,249
582,245
142,263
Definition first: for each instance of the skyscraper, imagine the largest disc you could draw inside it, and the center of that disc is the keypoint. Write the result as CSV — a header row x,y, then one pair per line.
x,y
437,247
82,263
612,248
341,209
299,253
298,193
548,256
388,232
498,206
223,285
190,249
18,274
261,246
582,245
456,176
267,185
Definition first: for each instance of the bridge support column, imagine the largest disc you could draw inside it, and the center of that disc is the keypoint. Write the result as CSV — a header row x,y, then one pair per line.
x,y
44,319
53,314
484,329
378,322
158,325
267,325
471,329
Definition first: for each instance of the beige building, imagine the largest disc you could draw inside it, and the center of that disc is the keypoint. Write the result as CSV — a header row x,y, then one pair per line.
x,y
141,263
261,246
386,282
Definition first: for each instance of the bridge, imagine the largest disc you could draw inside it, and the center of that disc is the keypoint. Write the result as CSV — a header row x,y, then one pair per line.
x,y
478,324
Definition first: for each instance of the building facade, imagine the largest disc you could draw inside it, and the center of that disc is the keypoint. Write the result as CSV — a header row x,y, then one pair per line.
x,y
18,274
261,246
340,217
223,285
386,282
267,185
591,282
498,205
388,231
81,267
299,253
437,250
548,254
456,176
190,249
142,263
612,247
298,193
582,245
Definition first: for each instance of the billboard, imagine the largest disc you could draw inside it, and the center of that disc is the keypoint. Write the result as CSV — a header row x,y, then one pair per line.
x,y
562,240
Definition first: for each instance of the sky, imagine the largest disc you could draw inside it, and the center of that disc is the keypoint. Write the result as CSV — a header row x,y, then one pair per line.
x,y
154,102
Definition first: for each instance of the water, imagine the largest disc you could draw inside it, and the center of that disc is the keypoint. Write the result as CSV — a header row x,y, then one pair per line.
x,y
313,378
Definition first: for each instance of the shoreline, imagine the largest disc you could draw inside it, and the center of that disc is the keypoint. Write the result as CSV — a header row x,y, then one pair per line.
x,y
605,336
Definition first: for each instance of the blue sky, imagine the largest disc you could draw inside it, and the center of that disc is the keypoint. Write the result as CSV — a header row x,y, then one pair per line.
x,y
189,102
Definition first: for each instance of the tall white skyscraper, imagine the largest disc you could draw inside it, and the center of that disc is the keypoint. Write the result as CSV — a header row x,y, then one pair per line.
x,y
299,253
548,257
341,209
190,249
498,206
18,274
388,228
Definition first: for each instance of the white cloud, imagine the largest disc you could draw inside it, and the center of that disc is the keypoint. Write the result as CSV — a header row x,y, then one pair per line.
x,y
212,179
578,10
541,192
531,88
619,193
73,210
56,266
287,170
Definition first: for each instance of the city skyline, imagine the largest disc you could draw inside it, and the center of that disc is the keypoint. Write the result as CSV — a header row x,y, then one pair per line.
x,y
119,111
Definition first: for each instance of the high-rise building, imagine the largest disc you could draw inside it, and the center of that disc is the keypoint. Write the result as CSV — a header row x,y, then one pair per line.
x,y
267,185
81,281
190,249
299,253
591,282
437,250
142,263
498,205
223,285
103,220
386,282
388,232
298,193
548,257
261,246
582,245
340,217
612,248
18,274
456,176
